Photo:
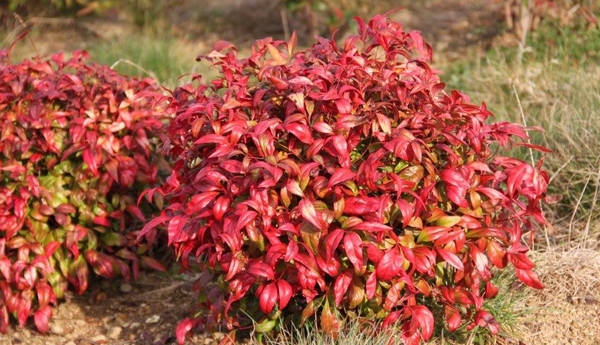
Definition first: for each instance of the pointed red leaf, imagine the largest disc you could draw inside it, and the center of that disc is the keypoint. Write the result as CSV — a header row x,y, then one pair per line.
x,y
453,317
153,263
341,284
339,176
307,209
41,318
530,278
422,316
183,328
268,298
285,292
261,269
451,258
390,264
354,251
90,160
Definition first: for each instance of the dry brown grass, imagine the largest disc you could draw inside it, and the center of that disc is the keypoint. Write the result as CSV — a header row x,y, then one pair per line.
x,y
567,310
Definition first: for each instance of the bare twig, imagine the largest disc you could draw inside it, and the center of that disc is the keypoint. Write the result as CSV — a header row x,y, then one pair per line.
x,y
37,53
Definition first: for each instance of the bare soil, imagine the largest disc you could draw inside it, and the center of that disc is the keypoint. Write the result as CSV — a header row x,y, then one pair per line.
x,y
146,312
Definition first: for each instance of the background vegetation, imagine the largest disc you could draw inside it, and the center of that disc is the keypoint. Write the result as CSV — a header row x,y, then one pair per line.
x,y
545,73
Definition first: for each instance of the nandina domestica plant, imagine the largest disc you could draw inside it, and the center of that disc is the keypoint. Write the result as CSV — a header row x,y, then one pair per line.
x,y
343,181
78,143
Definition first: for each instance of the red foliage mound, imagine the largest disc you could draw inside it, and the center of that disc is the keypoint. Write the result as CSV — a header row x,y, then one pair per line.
x,y
78,144
344,181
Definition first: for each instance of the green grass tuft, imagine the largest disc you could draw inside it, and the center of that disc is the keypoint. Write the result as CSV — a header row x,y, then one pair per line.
x,y
162,58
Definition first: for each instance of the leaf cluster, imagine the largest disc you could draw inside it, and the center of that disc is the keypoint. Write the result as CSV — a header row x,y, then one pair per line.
x,y
343,181
78,144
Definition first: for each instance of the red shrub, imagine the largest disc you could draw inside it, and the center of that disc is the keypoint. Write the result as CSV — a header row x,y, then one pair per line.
x,y
344,181
77,147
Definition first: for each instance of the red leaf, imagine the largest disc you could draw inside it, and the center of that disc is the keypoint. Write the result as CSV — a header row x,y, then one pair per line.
x,y
332,241
285,292
485,319
199,201
343,106
339,176
360,205
301,131
354,251
520,261
490,290
41,318
261,269
183,328
340,286
23,308
322,127
113,169
530,278
245,219
291,251
268,298
90,160
372,227
175,227
221,206
211,139
153,263
456,186
100,220
371,286
496,254
451,258
151,225
390,264
452,317
424,259
422,316
479,259
309,213
393,296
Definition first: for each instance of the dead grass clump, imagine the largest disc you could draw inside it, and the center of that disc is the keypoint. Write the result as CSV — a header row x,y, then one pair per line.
x,y
571,275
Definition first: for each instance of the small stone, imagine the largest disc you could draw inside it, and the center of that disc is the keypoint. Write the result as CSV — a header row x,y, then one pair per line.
x,y
57,329
153,319
126,288
98,339
135,325
114,332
